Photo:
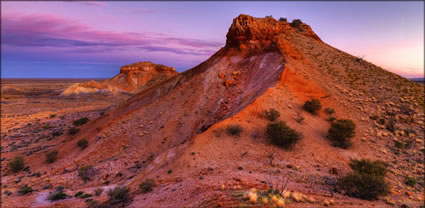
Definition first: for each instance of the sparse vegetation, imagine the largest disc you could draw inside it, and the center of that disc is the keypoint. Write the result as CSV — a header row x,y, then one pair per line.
x,y
330,112
73,131
24,190
296,23
86,173
80,121
271,114
78,194
147,185
98,191
341,132
283,19
16,164
83,143
390,126
367,181
56,133
234,129
87,195
118,195
312,105
408,111
59,194
51,156
282,135
410,181
365,166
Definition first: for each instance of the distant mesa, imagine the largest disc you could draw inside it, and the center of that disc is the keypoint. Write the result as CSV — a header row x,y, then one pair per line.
x,y
132,78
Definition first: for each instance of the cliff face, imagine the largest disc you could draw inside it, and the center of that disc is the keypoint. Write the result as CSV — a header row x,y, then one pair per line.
x,y
132,78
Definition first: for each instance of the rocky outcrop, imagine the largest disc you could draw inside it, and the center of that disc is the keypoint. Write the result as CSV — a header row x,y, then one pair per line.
x,y
132,78
250,32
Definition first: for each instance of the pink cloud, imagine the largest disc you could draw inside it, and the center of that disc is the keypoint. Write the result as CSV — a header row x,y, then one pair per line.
x,y
52,31
95,3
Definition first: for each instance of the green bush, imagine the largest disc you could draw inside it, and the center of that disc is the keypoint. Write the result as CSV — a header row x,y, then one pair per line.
x,y
329,111
234,129
80,121
364,186
51,156
16,164
86,173
73,131
24,190
341,132
410,181
312,105
282,135
367,181
78,194
87,195
271,114
283,19
147,185
366,166
83,143
118,195
296,23
57,195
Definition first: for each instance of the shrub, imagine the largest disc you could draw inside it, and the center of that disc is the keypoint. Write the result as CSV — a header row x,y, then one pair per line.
x,y
147,185
341,132
73,131
57,195
16,164
24,190
80,121
57,133
296,23
367,181
365,166
78,194
364,186
234,129
381,121
410,181
118,195
312,105
390,125
86,173
271,114
330,112
51,156
282,135
83,143
283,19
86,196
98,192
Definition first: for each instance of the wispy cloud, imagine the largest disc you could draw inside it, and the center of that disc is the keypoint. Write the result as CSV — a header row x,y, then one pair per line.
x,y
43,31
95,3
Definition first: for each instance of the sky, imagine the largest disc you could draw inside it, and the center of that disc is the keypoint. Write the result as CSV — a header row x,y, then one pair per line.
x,y
93,39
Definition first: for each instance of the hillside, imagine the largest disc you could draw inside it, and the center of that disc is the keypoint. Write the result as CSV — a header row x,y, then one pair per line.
x,y
176,132
132,78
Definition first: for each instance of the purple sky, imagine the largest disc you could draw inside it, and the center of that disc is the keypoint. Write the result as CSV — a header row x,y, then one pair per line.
x,y
93,39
